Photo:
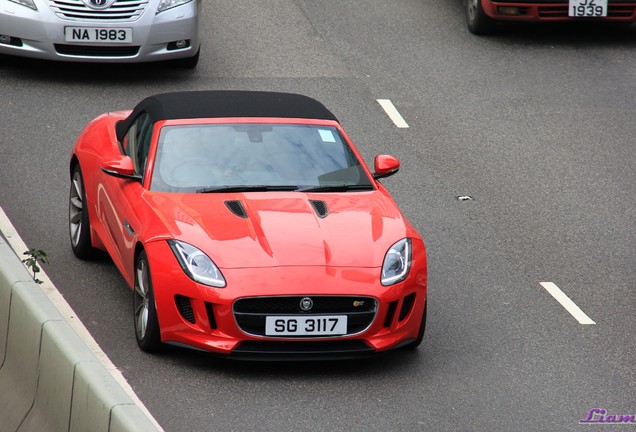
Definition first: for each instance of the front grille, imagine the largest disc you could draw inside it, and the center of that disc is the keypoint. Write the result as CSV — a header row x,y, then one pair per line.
x,y
553,11
96,51
250,313
120,11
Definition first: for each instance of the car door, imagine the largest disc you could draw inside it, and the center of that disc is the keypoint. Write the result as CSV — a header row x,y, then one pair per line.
x,y
122,195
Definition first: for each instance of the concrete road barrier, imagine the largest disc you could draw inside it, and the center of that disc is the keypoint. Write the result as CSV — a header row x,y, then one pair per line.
x,y
19,372
64,352
9,274
50,380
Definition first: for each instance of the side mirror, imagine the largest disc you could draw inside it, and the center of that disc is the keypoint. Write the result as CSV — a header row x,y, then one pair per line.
x,y
385,166
121,167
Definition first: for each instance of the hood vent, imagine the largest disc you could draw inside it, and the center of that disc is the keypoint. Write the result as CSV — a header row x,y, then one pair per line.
x,y
237,208
320,207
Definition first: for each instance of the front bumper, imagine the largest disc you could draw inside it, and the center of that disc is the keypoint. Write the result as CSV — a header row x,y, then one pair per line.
x,y
41,33
554,10
195,316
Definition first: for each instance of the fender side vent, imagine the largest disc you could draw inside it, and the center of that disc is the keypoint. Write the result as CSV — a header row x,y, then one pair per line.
x,y
237,208
209,309
390,314
185,308
320,207
407,305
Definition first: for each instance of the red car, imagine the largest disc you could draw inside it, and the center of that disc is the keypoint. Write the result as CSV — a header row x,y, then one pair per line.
x,y
482,15
247,224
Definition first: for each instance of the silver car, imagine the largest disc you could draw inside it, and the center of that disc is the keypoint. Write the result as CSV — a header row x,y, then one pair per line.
x,y
105,31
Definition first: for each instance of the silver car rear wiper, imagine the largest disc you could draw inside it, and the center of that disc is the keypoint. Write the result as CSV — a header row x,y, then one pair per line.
x,y
246,188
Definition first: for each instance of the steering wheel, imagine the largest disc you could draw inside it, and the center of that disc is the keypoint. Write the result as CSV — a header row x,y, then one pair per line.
x,y
197,171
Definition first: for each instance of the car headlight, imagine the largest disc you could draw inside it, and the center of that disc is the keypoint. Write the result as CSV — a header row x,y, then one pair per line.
x,y
169,4
27,3
197,265
397,262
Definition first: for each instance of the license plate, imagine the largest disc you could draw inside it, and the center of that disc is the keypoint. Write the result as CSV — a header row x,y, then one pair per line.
x,y
305,325
588,8
98,34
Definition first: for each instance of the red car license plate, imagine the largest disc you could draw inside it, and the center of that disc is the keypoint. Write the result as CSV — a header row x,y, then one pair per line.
x,y
587,8
305,325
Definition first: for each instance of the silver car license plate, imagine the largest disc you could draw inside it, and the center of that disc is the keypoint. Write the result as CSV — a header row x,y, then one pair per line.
x,y
98,34
305,325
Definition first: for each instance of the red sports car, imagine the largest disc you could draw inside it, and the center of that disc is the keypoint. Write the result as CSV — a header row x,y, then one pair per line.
x,y
247,224
482,15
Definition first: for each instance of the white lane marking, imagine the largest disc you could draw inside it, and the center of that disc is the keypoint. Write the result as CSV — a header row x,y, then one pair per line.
x,y
19,247
393,113
568,304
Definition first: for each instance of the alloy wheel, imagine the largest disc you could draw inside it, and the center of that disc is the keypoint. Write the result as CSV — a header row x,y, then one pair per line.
x,y
141,299
76,208
472,9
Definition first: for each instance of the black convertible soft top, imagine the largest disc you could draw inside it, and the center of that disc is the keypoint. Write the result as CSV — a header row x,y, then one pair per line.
x,y
225,103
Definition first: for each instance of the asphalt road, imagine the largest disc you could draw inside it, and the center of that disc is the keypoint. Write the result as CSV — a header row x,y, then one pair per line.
x,y
537,124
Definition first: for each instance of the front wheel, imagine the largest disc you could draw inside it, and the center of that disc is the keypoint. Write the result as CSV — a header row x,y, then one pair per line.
x,y
478,22
144,309
78,221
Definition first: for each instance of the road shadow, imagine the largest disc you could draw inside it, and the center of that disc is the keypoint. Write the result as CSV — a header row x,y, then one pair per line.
x,y
389,363
565,34
92,73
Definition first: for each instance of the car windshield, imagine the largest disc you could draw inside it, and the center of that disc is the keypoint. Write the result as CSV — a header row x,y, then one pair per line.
x,y
259,157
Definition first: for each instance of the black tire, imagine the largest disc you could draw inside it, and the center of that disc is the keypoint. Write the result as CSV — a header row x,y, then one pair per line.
x,y
478,22
420,335
144,310
188,62
78,220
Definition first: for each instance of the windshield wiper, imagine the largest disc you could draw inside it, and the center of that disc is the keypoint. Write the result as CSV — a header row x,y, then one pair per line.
x,y
336,188
246,188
